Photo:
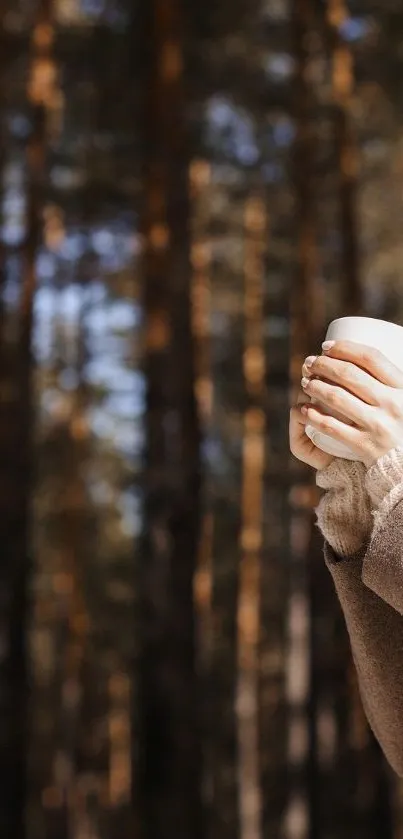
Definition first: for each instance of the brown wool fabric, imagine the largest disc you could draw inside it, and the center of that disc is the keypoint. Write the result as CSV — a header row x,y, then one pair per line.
x,y
369,583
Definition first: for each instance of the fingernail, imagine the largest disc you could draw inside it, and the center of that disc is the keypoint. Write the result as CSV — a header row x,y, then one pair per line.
x,y
309,362
304,409
304,382
327,345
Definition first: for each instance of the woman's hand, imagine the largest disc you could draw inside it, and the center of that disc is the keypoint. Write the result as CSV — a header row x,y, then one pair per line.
x,y
301,446
363,386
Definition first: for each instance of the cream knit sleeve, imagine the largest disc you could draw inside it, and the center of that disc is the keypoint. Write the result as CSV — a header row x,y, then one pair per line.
x,y
357,502
384,485
344,512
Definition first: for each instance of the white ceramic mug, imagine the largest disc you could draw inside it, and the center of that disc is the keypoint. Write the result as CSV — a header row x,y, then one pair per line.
x,y
379,334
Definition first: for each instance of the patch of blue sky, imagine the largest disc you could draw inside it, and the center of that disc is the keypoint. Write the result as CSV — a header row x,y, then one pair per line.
x,y
231,130
13,232
125,405
43,343
73,245
117,316
68,379
130,507
273,172
11,291
279,66
108,372
125,437
283,132
19,125
46,268
70,302
14,202
118,239
214,456
93,8
356,28
116,347
102,10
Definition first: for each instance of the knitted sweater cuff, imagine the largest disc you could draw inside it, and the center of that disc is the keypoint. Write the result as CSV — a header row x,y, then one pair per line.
x,y
384,484
384,475
344,513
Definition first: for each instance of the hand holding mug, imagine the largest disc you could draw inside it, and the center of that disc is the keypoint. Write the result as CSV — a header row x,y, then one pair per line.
x,y
300,444
358,383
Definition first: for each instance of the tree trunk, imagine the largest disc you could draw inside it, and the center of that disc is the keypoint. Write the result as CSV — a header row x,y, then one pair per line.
x,y
16,420
307,316
170,764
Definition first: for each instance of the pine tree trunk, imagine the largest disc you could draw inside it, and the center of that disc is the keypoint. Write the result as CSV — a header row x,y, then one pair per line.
x,y
170,770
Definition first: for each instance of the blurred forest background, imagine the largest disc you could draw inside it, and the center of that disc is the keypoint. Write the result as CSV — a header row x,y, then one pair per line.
x,y
189,193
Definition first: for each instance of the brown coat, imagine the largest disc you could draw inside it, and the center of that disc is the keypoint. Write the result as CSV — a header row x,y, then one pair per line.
x,y
370,589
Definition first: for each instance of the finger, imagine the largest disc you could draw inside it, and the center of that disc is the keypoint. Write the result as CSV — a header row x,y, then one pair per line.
x,y
302,398
339,401
372,361
334,428
296,415
348,375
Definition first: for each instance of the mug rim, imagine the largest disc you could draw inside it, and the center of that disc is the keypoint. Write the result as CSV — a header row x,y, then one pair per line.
x,y
363,318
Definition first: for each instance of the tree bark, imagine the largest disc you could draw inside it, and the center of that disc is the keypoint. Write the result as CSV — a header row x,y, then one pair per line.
x,y
170,748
